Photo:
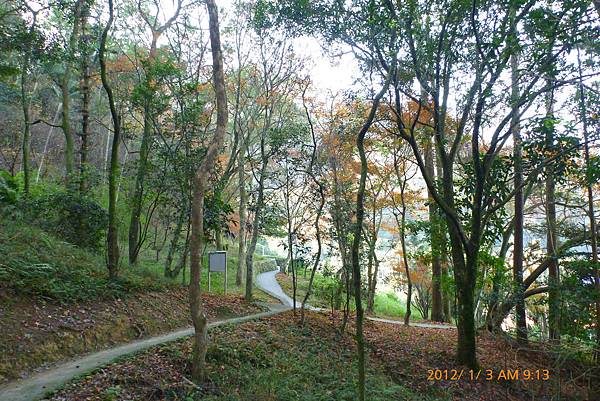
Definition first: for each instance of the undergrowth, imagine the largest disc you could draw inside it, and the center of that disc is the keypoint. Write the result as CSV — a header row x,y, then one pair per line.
x,y
38,264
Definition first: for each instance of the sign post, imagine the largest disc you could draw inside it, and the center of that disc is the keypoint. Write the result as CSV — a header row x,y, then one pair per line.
x,y
217,262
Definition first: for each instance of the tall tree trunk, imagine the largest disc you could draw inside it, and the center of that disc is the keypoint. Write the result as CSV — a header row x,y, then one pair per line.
x,y
66,95
591,213
242,213
355,249
85,104
66,127
519,195
26,105
437,312
372,285
256,222
135,242
321,191
112,237
168,270
405,262
26,102
465,268
551,233
138,193
200,185
442,246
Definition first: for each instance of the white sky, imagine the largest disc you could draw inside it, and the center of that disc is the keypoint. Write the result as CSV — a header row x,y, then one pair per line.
x,y
327,75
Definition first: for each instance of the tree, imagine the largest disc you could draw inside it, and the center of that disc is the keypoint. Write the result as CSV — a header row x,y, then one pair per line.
x,y
360,212
276,85
313,172
113,235
30,43
149,89
200,186
518,184
468,45
65,88
589,180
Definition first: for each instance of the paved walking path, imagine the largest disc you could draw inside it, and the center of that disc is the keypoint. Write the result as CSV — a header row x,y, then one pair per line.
x,y
268,283
40,384
36,386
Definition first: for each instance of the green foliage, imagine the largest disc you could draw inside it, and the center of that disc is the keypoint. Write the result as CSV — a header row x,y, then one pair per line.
x,y
75,218
496,189
578,297
9,189
327,288
38,264
555,146
389,304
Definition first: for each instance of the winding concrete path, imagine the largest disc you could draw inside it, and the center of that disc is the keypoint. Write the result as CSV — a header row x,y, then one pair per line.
x,y
268,283
40,384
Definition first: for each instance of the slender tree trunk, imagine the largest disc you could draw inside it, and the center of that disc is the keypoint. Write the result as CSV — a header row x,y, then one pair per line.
x,y
437,313
519,195
405,262
370,275
373,285
256,222
66,127
135,242
112,237
138,193
168,271
442,246
85,116
319,246
85,99
551,234
355,249
26,105
242,212
66,95
200,186
591,213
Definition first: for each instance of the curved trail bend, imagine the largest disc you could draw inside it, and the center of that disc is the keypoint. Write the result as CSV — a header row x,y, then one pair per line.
x,y
38,385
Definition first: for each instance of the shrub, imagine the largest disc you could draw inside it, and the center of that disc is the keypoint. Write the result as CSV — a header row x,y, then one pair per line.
x,y
9,188
74,218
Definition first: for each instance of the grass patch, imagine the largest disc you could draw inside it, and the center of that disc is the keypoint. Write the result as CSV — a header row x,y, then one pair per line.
x,y
387,305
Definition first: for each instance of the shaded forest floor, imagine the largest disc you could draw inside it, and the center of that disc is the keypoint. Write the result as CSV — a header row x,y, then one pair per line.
x,y
36,333
276,359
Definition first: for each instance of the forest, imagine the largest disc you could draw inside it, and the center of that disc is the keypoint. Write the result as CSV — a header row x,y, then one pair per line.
x,y
299,200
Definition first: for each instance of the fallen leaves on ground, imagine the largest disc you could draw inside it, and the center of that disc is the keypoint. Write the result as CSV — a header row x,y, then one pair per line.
x,y
36,333
274,358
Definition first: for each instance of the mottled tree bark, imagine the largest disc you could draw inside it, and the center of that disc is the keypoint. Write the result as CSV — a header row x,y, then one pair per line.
x,y
199,318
